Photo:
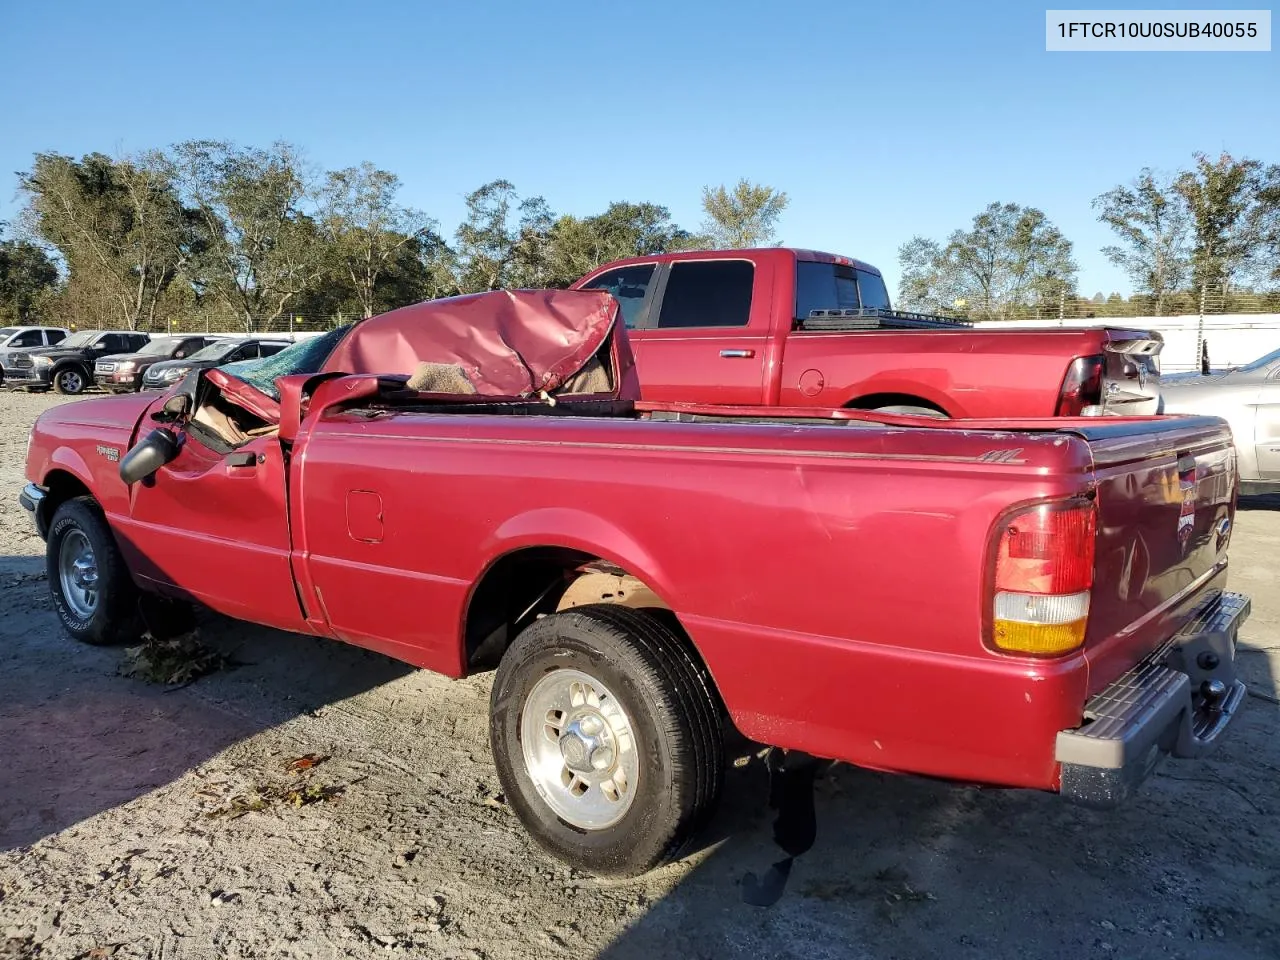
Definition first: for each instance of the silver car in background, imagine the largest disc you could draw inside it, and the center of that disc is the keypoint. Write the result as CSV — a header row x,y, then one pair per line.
x,y
1248,398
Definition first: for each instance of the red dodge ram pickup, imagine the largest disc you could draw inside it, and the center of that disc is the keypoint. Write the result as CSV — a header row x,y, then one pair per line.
x,y
781,327
1032,603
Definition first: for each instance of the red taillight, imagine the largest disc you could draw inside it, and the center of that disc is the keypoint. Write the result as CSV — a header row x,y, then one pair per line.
x,y
1082,386
1047,549
1043,577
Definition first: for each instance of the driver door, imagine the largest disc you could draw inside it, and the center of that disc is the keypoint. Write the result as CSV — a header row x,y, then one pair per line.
x,y
212,525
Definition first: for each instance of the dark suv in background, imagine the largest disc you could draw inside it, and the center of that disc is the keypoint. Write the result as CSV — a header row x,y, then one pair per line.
x,y
162,375
123,372
68,367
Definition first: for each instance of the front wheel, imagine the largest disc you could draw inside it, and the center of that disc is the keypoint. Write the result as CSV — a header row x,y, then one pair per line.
x,y
92,592
606,736
69,381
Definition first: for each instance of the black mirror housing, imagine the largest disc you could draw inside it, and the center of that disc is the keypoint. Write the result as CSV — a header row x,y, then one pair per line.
x,y
159,447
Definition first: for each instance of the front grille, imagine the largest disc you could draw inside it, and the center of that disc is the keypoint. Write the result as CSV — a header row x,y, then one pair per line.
x,y
104,366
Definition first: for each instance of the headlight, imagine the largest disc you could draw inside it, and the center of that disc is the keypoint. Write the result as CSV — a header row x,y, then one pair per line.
x,y
42,361
176,373
126,366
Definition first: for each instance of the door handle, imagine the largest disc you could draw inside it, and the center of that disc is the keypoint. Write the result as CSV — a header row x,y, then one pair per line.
x,y
737,354
243,459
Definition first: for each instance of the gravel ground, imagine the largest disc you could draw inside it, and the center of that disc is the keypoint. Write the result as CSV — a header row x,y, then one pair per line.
x,y
111,842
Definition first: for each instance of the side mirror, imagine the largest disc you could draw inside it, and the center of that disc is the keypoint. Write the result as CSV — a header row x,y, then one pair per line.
x,y
159,447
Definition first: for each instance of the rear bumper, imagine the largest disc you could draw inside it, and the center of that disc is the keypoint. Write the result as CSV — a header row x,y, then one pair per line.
x,y
1177,702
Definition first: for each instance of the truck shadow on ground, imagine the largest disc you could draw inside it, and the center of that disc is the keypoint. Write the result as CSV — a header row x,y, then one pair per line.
x,y
1265,501
79,739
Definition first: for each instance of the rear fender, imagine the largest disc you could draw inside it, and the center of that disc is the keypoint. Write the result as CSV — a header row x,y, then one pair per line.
x,y
906,388
586,533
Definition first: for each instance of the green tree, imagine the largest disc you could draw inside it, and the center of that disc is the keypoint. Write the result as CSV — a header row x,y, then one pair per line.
x,y
118,223
503,242
27,279
1154,226
263,248
746,216
1232,204
578,245
368,230
1012,258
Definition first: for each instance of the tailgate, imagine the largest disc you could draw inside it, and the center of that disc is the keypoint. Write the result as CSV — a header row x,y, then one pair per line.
x,y
1166,504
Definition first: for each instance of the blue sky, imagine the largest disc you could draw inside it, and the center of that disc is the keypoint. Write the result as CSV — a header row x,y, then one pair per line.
x,y
879,120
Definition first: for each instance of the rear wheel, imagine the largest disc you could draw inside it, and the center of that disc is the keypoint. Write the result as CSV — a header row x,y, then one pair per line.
x,y
607,739
909,410
92,592
70,380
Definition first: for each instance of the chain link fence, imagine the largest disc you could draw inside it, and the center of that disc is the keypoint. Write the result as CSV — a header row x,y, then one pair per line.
x,y
1209,303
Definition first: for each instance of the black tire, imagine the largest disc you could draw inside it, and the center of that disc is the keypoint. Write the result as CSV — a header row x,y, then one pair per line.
x,y
910,410
114,618
675,717
70,380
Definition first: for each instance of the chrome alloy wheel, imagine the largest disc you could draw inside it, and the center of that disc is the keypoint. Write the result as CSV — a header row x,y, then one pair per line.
x,y
579,749
78,574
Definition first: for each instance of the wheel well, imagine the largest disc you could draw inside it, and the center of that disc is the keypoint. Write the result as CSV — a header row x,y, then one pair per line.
x,y
62,486
541,580
874,400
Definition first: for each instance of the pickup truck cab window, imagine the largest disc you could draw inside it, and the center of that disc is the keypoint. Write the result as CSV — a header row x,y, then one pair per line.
x,y
872,294
117,343
28,338
629,286
708,293
824,286
837,286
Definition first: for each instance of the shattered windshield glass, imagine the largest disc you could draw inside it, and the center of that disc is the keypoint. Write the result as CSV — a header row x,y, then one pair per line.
x,y
306,356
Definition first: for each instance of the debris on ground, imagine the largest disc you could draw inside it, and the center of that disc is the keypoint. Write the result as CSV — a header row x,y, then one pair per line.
x,y
173,663
266,795
305,762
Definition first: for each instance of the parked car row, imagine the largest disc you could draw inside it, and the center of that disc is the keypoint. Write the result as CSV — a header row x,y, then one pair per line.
x,y
43,358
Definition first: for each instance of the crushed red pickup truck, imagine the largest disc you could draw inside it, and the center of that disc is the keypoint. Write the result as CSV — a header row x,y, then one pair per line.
x,y
1034,603
784,327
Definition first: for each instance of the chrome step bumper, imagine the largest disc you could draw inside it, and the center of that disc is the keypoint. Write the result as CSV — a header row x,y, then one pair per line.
x,y
1177,702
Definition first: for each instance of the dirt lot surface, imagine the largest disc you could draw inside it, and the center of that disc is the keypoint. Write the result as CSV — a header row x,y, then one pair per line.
x,y
118,836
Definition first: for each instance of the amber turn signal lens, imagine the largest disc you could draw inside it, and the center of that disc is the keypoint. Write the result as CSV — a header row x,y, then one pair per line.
x,y
1038,639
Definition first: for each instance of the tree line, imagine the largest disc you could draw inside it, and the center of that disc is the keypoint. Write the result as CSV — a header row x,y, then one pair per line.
x,y
1208,232
210,228
251,236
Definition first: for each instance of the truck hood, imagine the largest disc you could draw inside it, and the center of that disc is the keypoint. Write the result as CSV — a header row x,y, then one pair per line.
x,y
57,353
505,343
138,358
116,411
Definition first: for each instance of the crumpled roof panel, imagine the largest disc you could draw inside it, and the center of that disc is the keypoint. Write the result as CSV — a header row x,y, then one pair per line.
x,y
507,343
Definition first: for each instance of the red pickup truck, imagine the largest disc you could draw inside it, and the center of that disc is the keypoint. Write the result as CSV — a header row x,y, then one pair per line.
x,y
1032,603
782,327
